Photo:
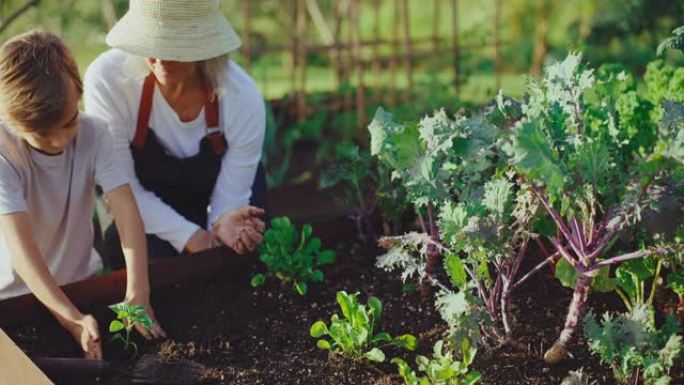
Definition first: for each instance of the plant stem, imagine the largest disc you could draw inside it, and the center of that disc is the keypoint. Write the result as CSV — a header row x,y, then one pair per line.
x,y
623,296
560,224
433,254
559,352
534,270
656,279
628,256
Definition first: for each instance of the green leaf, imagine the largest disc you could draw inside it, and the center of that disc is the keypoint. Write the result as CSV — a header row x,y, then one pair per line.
x,y
407,341
376,307
323,344
382,337
602,281
258,280
498,196
318,329
456,270
347,303
325,257
116,326
675,281
317,276
301,288
472,378
534,156
375,355
565,273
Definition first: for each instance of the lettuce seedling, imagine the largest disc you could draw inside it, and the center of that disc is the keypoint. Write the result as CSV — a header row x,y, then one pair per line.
x,y
443,368
595,153
127,317
291,257
353,336
632,347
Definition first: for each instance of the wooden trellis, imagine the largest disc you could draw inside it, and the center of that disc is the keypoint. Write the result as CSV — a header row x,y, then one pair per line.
x,y
352,56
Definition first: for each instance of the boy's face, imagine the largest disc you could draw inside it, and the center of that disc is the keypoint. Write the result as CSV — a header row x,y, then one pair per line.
x,y
56,138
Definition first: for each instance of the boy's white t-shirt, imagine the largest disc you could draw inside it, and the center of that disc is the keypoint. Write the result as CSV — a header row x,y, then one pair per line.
x,y
58,193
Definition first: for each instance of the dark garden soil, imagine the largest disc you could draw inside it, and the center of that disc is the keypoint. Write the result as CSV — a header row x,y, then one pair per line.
x,y
237,335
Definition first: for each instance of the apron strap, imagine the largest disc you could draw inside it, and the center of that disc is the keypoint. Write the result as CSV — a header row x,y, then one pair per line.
x,y
211,115
216,140
144,112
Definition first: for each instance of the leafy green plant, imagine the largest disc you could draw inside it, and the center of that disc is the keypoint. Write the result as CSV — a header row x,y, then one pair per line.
x,y
633,348
443,368
674,41
366,188
353,336
292,257
593,156
127,317
479,220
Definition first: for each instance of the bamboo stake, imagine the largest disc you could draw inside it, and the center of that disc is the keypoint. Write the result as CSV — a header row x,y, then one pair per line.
x,y
301,61
456,53
358,67
376,48
396,19
436,17
497,43
407,47
295,47
246,34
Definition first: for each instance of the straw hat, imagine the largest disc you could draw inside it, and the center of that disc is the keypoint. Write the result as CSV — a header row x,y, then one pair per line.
x,y
178,30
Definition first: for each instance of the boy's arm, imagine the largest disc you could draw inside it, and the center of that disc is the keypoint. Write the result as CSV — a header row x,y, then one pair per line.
x,y
31,268
123,208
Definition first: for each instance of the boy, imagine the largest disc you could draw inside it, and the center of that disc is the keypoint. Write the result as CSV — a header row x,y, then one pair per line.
x,y
51,158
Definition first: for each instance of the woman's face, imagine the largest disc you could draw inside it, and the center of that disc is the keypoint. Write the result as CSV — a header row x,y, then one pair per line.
x,y
171,71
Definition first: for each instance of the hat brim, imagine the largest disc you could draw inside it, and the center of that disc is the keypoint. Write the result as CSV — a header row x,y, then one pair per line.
x,y
176,40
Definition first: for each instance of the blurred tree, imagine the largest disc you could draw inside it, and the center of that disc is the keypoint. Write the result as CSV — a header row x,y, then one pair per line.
x,y
14,15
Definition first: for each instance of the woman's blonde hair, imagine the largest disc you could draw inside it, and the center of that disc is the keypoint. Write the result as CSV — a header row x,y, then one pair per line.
x,y
36,73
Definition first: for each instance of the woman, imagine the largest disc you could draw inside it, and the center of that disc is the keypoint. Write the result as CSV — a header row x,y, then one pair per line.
x,y
188,123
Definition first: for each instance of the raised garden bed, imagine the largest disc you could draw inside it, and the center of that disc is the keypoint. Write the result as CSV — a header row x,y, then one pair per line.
x,y
245,336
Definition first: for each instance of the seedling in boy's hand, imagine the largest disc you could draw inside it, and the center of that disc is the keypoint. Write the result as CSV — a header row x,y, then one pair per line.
x,y
127,317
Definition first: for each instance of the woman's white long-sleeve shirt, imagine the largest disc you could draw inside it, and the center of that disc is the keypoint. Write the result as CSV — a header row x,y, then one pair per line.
x,y
112,89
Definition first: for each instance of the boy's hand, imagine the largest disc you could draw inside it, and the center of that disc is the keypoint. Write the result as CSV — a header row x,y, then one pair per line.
x,y
240,228
155,332
85,332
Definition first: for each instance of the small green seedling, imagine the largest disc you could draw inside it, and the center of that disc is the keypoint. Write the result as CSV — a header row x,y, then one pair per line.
x,y
443,368
353,336
127,317
291,258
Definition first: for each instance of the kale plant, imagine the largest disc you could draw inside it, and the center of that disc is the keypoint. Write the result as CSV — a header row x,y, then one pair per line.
x,y
633,347
353,336
484,240
479,215
292,258
127,317
366,188
438,160
443,368
592,151
674,41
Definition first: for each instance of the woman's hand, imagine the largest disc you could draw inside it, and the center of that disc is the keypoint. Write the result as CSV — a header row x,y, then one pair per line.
x,y
241,229
155,332
200,240
85,331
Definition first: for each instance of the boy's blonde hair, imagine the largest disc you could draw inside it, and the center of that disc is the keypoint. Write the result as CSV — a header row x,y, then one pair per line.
x,y
36,72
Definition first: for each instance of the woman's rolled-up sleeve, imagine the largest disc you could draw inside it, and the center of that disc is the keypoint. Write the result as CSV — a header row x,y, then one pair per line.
x,y
246,120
